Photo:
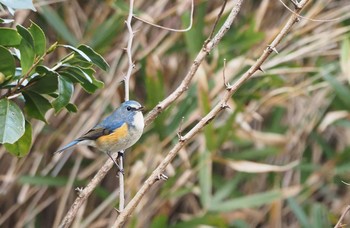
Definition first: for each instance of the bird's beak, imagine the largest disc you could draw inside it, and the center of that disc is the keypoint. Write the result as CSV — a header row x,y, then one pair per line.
x,y
141,108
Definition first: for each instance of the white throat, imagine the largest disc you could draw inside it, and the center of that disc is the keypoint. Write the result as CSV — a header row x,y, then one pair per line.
x,y
139,122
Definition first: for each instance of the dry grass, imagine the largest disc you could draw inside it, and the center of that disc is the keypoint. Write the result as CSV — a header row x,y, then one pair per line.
x,y
293,111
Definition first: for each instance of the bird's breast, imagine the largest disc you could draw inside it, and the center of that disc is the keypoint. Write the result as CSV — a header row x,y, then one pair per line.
x,y
111,140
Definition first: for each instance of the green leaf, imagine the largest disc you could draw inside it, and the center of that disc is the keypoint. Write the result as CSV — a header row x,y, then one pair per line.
x,y
71,108
226,189
73,76
25,34
43,180
298,212
95,57
58,24
22,146
6,21
44,84
79,62
159,221
210,220
194,37
7,62
65,92
9,37
345,54
77,51
36,105
11,122
76,74
39,39
341,90
27,56
250,201
205,177
319,216
44,71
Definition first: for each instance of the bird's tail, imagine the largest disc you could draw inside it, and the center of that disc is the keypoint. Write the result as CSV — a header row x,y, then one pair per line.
x,y
73,143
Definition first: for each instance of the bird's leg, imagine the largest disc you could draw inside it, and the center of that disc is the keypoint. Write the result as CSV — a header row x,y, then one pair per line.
x,y
110,156
120,159
120,154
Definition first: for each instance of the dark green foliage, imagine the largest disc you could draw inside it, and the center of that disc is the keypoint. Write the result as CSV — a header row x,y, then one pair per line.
x,y
40,87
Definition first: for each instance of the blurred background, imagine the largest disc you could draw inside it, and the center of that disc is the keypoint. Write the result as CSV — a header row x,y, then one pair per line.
x,y
277,158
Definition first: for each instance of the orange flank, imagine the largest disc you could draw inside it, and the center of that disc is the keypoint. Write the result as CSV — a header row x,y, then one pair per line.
x,y
114,137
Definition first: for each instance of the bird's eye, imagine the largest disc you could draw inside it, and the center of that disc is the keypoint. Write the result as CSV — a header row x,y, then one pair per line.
x,y
128,108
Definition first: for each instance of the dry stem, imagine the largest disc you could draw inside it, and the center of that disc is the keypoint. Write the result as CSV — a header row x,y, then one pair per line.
x,y
339,223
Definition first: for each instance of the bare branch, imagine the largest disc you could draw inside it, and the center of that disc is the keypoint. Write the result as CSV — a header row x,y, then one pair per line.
x,y
128,50
217,20
339,223
210,116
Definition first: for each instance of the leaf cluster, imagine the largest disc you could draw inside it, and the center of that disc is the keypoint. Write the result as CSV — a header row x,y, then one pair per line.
x,y
25,81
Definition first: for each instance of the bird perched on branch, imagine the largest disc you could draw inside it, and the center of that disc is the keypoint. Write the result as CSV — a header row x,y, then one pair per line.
x,y
117,132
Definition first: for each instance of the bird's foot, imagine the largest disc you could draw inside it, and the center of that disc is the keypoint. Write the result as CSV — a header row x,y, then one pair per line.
x,y
163,177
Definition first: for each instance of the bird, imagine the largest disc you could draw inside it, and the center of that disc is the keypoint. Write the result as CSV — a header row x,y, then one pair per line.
x,y
117,132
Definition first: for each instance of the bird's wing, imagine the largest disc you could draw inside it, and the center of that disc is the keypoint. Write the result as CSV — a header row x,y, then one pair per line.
x,y
104,128
95,133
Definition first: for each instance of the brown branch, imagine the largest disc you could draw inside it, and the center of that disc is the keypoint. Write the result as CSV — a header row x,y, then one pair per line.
x,y
339,223
206,49
210,116
217,20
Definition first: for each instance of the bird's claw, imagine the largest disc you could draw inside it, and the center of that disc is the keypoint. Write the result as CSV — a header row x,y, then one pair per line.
x,y
120,171
79,190
163,177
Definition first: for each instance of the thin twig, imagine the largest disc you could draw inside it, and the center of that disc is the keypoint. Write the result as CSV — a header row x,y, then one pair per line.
x,y
167,28
307,18
339,223
121,182
217,20
210,116
128,50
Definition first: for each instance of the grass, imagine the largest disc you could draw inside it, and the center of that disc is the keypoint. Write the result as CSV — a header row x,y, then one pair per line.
x,y
296,110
